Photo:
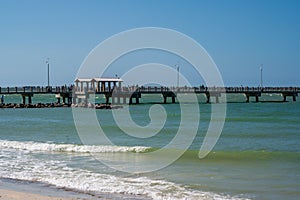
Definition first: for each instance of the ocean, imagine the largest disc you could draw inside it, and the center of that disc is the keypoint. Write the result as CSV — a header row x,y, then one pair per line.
x,y
256,157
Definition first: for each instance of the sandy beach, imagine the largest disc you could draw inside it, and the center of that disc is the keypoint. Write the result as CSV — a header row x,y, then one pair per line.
x,y
21,190
15,195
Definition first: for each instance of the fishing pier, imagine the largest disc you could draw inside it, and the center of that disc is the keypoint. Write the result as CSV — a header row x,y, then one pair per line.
x,y
115,93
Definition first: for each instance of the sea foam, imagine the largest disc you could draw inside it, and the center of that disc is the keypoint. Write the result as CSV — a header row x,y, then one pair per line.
x,y
51,147
60,174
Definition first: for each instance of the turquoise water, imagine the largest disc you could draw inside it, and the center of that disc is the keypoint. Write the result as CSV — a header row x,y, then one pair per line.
x,y
256,157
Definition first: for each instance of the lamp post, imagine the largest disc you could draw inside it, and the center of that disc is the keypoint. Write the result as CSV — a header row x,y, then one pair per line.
x,y
48,67
177,67
261,75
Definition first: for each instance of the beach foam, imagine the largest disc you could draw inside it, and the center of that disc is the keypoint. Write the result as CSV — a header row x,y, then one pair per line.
x,y
50,147
25,166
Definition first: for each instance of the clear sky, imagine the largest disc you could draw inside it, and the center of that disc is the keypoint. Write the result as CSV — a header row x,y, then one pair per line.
x,y
239,35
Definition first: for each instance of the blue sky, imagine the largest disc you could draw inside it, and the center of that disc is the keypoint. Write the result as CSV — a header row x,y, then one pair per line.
x,y
239,36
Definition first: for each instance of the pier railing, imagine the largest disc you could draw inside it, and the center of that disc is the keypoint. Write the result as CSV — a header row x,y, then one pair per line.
x,y
73,93
202,89
35,90
150,89
65,89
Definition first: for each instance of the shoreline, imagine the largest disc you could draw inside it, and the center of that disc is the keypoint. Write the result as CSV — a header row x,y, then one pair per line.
x,y
14,189
16,195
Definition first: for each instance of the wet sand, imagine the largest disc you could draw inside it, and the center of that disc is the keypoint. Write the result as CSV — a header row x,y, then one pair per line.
x,y
15,195
11,189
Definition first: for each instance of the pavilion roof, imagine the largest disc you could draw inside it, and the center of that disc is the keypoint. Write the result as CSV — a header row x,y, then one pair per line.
x,y
98,79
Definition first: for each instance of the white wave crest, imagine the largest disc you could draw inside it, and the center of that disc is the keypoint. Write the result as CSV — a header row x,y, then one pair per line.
x,y
50,147
87,181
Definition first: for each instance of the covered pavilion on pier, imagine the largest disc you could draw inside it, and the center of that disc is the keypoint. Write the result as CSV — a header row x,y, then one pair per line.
x,y
97,85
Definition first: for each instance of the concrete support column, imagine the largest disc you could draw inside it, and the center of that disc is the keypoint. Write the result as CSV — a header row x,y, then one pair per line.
x,y
69,100
256,98
24,99
284,98
130,100
165,99
173,99
217,99
137,100
247,98
207,98
29,100
112,99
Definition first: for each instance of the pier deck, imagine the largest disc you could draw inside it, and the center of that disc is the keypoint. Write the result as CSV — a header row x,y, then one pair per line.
x,y
114,94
